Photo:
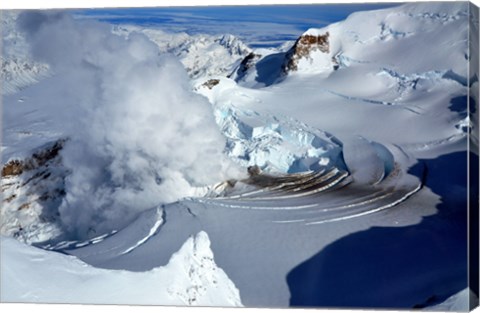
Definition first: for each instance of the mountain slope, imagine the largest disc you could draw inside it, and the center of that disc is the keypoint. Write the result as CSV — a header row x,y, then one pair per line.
x,y
191,277
202,55
354,139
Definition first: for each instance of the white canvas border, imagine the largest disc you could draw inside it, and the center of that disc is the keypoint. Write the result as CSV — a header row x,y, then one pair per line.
x,y
54,308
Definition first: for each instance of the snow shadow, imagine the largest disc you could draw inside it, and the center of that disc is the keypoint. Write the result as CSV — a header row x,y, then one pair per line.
x,y
269,69
463,104
459,104
404,267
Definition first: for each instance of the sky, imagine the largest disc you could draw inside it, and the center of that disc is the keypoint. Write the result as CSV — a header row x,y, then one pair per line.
x,y
259,25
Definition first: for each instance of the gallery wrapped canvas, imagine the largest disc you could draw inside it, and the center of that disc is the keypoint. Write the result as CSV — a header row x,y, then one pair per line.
x,y
270,156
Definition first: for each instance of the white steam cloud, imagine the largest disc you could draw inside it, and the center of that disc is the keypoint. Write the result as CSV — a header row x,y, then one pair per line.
x,y
139,135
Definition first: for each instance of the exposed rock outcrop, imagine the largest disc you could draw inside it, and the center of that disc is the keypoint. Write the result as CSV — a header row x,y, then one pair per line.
x,y
303,48
32,190
38,159
247,63
211,83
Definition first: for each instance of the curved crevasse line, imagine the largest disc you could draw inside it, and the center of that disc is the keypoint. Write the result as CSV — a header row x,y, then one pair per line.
x,y
326,196
311,192
279,187
160,215
317,208
300,207
371,101
300,188
434,143
386,156
405,197
145,228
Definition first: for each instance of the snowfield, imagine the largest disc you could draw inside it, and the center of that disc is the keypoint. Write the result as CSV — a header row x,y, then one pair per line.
x,y
146,167
191,277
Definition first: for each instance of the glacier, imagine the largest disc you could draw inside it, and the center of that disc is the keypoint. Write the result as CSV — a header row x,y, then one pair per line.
x,y
332,152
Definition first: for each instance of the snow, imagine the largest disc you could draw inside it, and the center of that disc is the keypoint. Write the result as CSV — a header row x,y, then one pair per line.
x,y
191,277
151,232
157,151
17,74
459,302
30,200
202,55
274,144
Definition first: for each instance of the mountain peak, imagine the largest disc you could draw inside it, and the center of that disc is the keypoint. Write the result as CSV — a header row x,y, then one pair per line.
x,y
312,41
233,44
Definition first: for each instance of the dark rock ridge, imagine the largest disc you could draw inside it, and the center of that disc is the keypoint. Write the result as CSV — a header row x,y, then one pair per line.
x,y
302,49
211,83
275,65
38,159
248,62
33,188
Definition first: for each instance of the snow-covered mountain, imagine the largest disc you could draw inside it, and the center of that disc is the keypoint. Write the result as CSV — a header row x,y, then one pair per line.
x,y
202,55
17,74
17,69
357,42
328,153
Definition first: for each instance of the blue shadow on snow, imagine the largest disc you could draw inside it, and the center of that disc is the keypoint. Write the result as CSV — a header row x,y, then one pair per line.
x,y
396,267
